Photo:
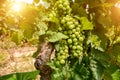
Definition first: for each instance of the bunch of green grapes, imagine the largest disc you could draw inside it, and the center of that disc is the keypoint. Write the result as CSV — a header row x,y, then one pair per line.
x,y
73,46
62,7
72,28
62,53
52,14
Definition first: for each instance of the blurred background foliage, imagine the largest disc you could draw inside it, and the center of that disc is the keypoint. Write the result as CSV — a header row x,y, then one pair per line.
x,y
20,26
28,24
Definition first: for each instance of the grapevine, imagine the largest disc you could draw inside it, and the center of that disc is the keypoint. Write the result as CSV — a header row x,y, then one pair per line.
x,y
78,39
73,46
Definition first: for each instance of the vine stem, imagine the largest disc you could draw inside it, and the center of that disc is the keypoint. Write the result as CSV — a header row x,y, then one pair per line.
x,y
67,72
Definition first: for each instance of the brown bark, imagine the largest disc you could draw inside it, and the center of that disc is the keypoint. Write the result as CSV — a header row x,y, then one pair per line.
x,y
46,53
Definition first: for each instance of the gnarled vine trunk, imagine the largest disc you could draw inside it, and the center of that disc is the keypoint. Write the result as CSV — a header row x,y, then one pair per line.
x,y
44,56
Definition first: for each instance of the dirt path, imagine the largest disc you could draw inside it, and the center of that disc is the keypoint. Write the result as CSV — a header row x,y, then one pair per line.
x,y
16,60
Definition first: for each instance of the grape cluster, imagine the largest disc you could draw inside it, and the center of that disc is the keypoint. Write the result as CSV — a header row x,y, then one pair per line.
x,y
73,46
62,7
52,14
72,28
62,53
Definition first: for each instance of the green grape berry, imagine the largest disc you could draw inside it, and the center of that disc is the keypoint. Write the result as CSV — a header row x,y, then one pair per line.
x,y
62,61
75,54
77,33
79,47
74,47
73,35
69,41
81,38
76,23
71,26
63,21
73,30
60,6
60,28
69,23
69,32
65,32
75,40
78,29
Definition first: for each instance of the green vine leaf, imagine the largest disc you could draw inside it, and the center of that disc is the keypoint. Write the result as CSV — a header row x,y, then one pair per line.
x,y
117,40
20,76
56,36
100,56
86,24
95,42
76,77
116,75
42,27
115,51
59,74
97,69
109,71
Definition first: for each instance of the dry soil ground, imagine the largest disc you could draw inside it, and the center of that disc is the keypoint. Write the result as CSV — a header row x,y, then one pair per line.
x,y
16,60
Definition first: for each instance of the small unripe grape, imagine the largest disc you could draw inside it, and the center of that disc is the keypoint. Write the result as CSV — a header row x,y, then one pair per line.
x,y
65,32
70,45
75,54
65,4
69,32
75,40
81,38
67,7
63,21
69,23
79,47
78,29
71,26
64,8
59,57
73,35
74,47
60,28
63,57
74,30
62,61
60,6
79,26
76,23
80,54
76,33
69,41
66,50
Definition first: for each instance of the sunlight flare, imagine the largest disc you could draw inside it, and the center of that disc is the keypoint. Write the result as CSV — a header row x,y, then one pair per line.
x,y
25,1
16,7
117,4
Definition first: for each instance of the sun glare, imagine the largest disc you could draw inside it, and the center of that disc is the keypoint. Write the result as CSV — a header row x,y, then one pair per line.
x,y
16,7
117,4
26,1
